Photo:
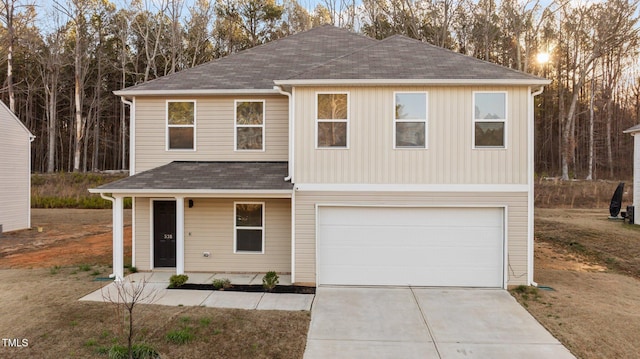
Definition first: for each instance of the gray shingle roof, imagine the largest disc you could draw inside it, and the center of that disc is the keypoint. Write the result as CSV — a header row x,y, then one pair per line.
x,y
257,67
399,57
197,176
635,128
330,53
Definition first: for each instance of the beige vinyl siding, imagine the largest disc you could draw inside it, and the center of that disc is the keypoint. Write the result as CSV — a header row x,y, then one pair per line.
x,y
449,158
515,231
214,131
142,233
209,228
15,172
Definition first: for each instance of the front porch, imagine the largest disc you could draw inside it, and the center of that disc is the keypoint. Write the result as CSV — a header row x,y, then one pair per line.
x,y
205,217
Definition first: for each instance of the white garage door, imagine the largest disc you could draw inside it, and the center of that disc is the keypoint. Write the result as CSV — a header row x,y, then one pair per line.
x,y
410,246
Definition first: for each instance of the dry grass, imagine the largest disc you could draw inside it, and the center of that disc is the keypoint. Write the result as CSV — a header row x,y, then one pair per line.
x,y
69,190
593,265
47,272
579,194
47,313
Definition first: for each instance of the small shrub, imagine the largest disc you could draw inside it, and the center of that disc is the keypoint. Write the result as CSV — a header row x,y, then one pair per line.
x,y
177,280
138,351
270,280
180,336
96,272
84,267
222,283
54,269
133,269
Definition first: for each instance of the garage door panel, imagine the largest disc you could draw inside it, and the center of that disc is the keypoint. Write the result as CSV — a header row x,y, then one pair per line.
x,y
410,246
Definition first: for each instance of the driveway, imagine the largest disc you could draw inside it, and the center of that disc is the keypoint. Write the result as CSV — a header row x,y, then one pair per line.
x,y
425,323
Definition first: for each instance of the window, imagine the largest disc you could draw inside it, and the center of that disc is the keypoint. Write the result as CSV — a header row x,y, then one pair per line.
x,y
249,125
410,120
249,227
181,123
489,119
332,117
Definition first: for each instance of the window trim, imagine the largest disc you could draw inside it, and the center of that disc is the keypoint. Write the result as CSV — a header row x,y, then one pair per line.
x,y
235,227
425,120
235,126
167,126
503,120
332,120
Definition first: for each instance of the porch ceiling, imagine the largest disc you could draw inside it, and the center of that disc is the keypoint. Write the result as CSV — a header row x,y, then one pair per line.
x,y
205,177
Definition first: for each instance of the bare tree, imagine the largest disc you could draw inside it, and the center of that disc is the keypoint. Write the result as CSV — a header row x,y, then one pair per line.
x,y
125,295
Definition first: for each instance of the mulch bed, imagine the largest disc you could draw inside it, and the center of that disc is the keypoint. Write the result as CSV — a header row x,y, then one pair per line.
x,y
251,288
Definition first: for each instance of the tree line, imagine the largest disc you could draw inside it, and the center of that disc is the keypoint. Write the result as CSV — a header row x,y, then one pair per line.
x,y
60,73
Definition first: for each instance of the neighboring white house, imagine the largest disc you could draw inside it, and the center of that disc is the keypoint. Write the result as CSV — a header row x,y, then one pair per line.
x,y
15,172
337,158
635,131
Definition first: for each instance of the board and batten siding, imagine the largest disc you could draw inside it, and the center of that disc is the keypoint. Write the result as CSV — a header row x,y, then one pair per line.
x,y
15,172
209,228
449,159
515,229
214,131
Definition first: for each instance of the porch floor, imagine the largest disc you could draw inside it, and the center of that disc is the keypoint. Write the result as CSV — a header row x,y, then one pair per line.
x,y
157,291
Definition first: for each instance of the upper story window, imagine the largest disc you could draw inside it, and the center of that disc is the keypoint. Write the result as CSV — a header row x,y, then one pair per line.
x,y
249,227
489,119
332,120
181,125
410,120
249,125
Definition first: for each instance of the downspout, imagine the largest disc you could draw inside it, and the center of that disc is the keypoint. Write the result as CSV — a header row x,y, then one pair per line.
x,y
113,204
291,127
289,178
530,199
132,137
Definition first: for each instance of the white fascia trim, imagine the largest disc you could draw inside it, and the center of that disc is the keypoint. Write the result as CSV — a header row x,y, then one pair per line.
x,y
132,133
373,82
197,193
412,187
194,92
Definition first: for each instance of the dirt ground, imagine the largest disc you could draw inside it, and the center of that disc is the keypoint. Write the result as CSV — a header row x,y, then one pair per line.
x,y
44,273
590,263
63,237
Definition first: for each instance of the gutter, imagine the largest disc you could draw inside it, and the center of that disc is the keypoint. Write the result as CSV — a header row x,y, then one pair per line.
x,y
291,127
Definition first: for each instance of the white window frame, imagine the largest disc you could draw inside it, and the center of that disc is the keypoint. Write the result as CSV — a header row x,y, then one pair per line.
x,y
425,120
502,120
235,227
236,126
332,120
167,126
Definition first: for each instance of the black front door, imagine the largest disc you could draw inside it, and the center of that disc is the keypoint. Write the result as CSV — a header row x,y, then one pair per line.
x,y
164,234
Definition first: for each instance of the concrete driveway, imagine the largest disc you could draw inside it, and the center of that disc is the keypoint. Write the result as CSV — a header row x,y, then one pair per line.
x,y
425,323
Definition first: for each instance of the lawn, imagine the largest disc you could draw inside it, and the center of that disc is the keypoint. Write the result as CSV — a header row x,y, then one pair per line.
x,y
40,303
593,266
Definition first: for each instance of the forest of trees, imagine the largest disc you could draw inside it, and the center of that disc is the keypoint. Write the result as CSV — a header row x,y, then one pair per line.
x,y
60,72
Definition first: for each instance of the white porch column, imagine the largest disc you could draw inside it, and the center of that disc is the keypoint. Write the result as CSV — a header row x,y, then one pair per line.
x,y
118,238
179,235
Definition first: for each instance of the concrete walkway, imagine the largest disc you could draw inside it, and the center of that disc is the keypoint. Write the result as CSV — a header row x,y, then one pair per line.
x,y
425,323
156,292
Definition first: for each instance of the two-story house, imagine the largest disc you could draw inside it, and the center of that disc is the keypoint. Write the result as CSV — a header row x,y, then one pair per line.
x,y
337,158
